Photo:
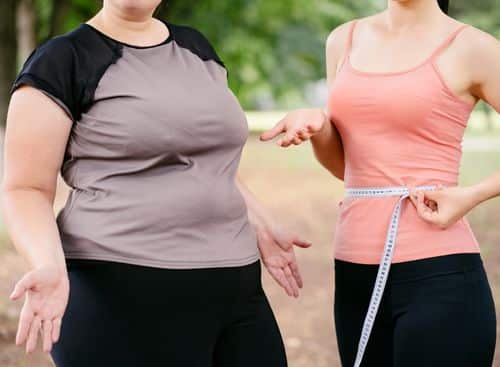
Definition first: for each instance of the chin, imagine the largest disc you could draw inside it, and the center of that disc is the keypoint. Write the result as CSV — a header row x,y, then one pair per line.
x,y
135,5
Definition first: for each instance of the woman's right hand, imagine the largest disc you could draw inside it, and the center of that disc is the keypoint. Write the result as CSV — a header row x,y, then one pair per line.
x,y
297,126
47,292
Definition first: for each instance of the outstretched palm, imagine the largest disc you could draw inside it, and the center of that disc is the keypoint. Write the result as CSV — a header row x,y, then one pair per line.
x,y
278,256
47,292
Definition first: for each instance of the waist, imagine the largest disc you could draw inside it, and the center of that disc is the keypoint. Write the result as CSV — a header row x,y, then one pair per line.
x,y
384,191
367,214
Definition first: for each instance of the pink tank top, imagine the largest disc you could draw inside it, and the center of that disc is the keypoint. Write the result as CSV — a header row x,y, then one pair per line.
x,y
401,128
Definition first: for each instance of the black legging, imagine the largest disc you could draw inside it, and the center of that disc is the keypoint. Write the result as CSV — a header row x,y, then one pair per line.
x,y
435,312
133,316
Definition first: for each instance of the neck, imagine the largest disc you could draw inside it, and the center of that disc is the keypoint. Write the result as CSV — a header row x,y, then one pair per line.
x,y
131,20
411,13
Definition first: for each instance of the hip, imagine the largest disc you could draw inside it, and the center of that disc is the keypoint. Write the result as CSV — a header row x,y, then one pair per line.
x,y
115,282
451,280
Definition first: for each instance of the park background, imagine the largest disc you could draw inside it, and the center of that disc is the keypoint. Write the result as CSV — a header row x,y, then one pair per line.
x,y
274,51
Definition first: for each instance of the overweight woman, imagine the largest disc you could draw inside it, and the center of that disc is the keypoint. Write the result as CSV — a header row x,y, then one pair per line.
x,y
402,85
154,260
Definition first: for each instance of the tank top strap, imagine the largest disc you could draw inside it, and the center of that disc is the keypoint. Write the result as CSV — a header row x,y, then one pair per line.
x,y
351,33
447,41
349,42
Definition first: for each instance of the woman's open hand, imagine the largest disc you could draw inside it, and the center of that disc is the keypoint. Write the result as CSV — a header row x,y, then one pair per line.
x,y
47,291
278,255
444,206
296,127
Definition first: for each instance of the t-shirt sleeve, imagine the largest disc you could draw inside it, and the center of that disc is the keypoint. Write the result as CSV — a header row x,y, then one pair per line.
x,y
197,42
51,69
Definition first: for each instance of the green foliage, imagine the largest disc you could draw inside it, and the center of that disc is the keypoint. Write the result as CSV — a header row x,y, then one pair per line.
x,y
272,48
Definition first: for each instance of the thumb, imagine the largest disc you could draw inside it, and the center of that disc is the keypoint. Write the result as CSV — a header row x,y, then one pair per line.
x,y
275,131
28,281
301,243
432,195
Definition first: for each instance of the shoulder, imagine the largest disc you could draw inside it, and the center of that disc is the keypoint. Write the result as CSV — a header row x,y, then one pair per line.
x,y
474,42
195,41
479,51
67,67
338,38
59,48
74,43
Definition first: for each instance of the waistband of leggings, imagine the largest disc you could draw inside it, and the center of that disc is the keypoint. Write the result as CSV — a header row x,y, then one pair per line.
x,y
420,268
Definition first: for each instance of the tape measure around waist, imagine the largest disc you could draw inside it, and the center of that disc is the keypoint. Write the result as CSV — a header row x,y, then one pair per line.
x,y
385,262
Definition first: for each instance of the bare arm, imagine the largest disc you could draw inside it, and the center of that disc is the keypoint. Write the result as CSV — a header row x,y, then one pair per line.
x,y
35,139
486,86
276,245
327,145
36,135
483,66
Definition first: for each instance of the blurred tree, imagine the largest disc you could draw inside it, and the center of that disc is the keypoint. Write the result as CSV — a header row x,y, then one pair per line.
x,y
272,48
8,52
26,31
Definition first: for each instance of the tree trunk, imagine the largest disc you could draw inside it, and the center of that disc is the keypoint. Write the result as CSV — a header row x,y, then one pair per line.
x,y
26,33
60,11
8,53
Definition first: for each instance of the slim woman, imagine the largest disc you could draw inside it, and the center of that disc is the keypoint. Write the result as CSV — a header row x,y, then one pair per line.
x,y
154,260
402,85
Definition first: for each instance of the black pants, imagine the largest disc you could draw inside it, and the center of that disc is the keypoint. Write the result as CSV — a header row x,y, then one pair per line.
x,y
435,312
129,315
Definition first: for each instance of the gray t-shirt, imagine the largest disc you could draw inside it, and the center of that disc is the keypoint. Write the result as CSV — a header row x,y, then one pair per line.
x,y
153,152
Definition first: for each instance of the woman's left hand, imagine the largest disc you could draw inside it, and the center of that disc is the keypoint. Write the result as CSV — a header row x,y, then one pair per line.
x,y
278,256
443,206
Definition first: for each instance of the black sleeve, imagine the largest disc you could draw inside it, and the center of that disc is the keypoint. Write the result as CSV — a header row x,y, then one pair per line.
x,y
51,69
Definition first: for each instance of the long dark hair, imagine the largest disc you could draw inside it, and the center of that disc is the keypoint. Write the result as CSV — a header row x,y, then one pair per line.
x,y
444,5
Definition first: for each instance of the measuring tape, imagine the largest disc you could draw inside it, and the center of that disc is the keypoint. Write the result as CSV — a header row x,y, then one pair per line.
x,y
385,262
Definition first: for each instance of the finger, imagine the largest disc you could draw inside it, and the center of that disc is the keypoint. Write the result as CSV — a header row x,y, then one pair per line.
x,y
291,280
274,132
287,140
297,141
301,243
33,334
413,199
296,273
425,212
25,283
56,329
421,202
303,135
25,320
282,280
47,331
433,195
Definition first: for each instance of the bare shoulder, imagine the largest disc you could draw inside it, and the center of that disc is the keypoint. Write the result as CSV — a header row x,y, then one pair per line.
x,y
339,35
474,43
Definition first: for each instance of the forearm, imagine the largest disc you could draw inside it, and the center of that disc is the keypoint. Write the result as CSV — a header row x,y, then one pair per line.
x,y
486,189
328,149
31,224
257,214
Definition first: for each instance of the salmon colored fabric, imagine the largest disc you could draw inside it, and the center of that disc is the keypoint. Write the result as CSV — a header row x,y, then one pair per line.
x,y
401,128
